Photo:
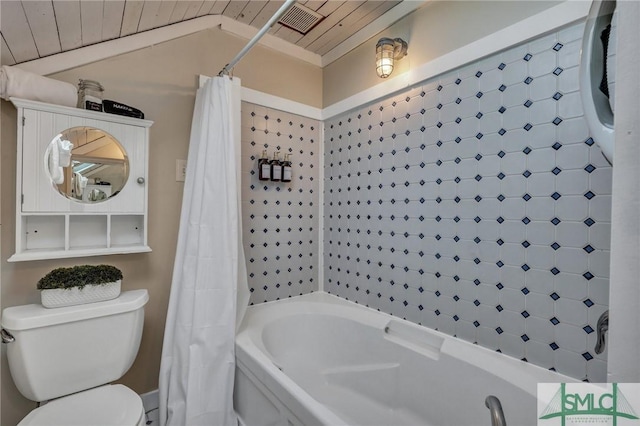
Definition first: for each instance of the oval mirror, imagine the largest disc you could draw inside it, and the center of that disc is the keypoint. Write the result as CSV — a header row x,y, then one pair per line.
x,y
86,164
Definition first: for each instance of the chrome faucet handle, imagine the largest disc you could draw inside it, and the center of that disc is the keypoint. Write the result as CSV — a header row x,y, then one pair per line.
x,y
497,415
602,327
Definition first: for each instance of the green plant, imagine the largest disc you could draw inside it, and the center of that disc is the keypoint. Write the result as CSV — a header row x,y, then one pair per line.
x,y
79,276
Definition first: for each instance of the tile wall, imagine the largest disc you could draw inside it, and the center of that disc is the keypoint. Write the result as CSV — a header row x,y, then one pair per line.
x,y
478,204
280,220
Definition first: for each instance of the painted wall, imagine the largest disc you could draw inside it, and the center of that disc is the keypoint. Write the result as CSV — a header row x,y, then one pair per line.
x,y
161,81
437,28
477,204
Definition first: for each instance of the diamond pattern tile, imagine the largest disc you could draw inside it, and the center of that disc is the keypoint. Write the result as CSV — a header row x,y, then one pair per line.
x,y
497,196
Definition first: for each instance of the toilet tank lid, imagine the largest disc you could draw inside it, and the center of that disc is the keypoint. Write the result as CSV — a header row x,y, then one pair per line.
x,y
34,316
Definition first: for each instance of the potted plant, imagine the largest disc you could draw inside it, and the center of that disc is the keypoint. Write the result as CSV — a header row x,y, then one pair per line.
x,y
79,284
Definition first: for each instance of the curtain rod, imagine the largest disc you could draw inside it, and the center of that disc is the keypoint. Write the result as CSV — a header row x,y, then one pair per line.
x,y
287,4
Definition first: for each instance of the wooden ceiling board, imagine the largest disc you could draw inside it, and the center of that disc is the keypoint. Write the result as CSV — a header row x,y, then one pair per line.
x,y
251,10
16,31
112,19
234,8
43,26
329,22
149,15
164,13
193,9
179,11
67,14
266,13
31,29
91,22
219,7
6,58
131,17
352,24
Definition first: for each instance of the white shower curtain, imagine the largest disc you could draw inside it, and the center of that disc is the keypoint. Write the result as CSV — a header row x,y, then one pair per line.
x,y
209,287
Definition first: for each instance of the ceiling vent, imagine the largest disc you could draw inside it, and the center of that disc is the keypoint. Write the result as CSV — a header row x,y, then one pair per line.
x,y
300,18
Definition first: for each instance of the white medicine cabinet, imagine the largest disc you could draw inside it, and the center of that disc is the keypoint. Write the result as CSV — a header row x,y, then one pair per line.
x,y
81,183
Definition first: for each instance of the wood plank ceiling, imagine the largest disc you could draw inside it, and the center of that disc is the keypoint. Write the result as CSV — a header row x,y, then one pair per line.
x,y
32,29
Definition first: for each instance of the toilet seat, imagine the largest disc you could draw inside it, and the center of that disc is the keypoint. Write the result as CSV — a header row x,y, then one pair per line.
x,y
110,405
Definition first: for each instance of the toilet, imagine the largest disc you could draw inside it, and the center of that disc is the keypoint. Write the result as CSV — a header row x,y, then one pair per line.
x,y
69,356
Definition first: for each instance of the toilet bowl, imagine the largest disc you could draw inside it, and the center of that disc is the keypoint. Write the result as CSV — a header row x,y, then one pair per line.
x,y
66,357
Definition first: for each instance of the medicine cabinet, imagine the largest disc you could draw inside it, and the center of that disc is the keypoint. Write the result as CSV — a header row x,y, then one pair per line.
x,y
81,183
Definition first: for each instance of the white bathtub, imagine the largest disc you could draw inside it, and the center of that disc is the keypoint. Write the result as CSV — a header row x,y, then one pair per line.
x,y
320,360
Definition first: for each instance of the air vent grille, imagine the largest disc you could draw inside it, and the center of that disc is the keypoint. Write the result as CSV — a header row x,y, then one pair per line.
x,y
300,18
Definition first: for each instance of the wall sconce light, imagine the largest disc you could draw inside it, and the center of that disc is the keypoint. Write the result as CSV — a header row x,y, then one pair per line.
x,y
389,50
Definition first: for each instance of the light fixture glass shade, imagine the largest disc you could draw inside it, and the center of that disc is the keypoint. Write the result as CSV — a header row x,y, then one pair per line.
x,y
384,57
389,50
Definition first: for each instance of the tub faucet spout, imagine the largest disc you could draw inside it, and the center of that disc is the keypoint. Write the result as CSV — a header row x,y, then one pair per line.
x,y
601,328
497,415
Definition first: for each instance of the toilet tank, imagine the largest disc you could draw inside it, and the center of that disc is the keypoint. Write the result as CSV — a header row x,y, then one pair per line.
x,y
61,351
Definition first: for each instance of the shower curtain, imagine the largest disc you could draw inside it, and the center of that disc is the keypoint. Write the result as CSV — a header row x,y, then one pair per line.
x,y
209,291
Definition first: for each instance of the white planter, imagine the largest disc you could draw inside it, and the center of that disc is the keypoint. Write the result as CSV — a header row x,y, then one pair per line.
x,y
59,297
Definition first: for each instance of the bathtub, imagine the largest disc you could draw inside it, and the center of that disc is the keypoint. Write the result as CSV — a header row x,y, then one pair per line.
x,y
321,360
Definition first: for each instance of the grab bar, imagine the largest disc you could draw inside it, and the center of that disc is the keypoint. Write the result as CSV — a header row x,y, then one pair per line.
x,y
497,415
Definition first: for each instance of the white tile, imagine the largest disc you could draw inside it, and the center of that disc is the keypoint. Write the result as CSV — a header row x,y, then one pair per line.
x,y
514,186
539,354
599,263
570,106
596,158
571,286
543,62
542,233
570,363
542,136
539,183
572,33
466,331
574,156
574,207
514,163
515,95
542,43
543,87
539,281
514,72
572,182
569,80
512,345
540,208
512,299
570,311
512,253
539,329
490,80
600,235
491,101
601,180
570,337
469,86
573,260
513,208
540,257
597,370
600,208
572,234
540,306
512,277
488,337
514,54
599,291
543,111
